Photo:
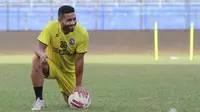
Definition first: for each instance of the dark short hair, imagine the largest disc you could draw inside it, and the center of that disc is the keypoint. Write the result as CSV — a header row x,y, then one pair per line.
x,y
64,10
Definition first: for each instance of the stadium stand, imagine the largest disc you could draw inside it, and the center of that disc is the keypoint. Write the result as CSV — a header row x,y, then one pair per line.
x,y
104,15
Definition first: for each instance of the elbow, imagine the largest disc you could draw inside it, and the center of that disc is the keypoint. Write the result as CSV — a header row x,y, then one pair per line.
x,y
36,51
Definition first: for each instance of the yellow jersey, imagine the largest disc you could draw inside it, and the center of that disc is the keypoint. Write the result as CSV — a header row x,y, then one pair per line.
x,y
61,48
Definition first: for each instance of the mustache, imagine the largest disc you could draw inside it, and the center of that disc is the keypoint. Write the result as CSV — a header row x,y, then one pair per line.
x,y
67,26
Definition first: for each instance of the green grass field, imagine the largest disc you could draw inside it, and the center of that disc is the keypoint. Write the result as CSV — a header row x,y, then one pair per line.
x,y
116,84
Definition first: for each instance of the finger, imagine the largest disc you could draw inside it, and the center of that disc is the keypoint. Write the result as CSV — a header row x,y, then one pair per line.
x,y
46,61
87,93
79,93
84,94
41,62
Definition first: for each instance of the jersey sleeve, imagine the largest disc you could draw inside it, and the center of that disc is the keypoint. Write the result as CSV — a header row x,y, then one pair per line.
x,y
83,44
45,35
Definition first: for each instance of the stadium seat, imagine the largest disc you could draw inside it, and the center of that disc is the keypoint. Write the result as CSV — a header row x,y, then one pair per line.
x,y
105,16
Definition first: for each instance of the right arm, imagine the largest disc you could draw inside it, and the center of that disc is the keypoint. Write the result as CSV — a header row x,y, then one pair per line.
x,y
43,41
40,49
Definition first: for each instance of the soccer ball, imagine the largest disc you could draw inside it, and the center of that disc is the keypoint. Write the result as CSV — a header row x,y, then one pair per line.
x,y
76,102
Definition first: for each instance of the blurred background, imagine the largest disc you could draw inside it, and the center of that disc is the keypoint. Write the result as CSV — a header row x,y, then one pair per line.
x,y
18,15
121,55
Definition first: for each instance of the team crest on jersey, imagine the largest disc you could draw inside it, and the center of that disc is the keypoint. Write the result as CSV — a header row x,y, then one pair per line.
x,y
71,41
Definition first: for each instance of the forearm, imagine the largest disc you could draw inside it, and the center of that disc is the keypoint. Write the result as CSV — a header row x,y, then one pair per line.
x,y
38,52
40,49
79,72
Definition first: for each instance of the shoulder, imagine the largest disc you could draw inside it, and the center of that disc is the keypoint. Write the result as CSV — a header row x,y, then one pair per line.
x,y
81,31
51,26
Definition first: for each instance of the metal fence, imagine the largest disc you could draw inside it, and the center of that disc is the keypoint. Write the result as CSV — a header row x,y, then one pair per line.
x,y
100,15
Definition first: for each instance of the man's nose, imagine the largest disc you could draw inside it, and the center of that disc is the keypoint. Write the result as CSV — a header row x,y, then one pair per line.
x,y
72,22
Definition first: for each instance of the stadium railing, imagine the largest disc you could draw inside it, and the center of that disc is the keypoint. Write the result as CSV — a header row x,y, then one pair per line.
x,y
103,15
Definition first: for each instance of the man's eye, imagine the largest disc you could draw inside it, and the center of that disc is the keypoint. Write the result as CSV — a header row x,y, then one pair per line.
x,y
69,20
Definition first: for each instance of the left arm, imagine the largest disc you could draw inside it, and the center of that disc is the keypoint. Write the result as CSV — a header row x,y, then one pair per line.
x,y
82,48
79,65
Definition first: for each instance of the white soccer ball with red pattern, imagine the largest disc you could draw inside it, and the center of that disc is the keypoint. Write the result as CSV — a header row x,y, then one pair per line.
x,y
79,102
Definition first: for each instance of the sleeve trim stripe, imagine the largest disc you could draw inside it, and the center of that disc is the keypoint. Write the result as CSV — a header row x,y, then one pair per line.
x,y
81,52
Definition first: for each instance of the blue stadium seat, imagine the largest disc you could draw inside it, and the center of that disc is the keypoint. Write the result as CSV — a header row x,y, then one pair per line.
x,y
105,18
121,18
3,19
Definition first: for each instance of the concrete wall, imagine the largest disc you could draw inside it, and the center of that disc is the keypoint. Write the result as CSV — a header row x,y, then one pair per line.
x,y
108,41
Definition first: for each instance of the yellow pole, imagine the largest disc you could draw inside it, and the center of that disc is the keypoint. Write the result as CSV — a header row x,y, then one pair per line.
x,y
156,40
191,41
